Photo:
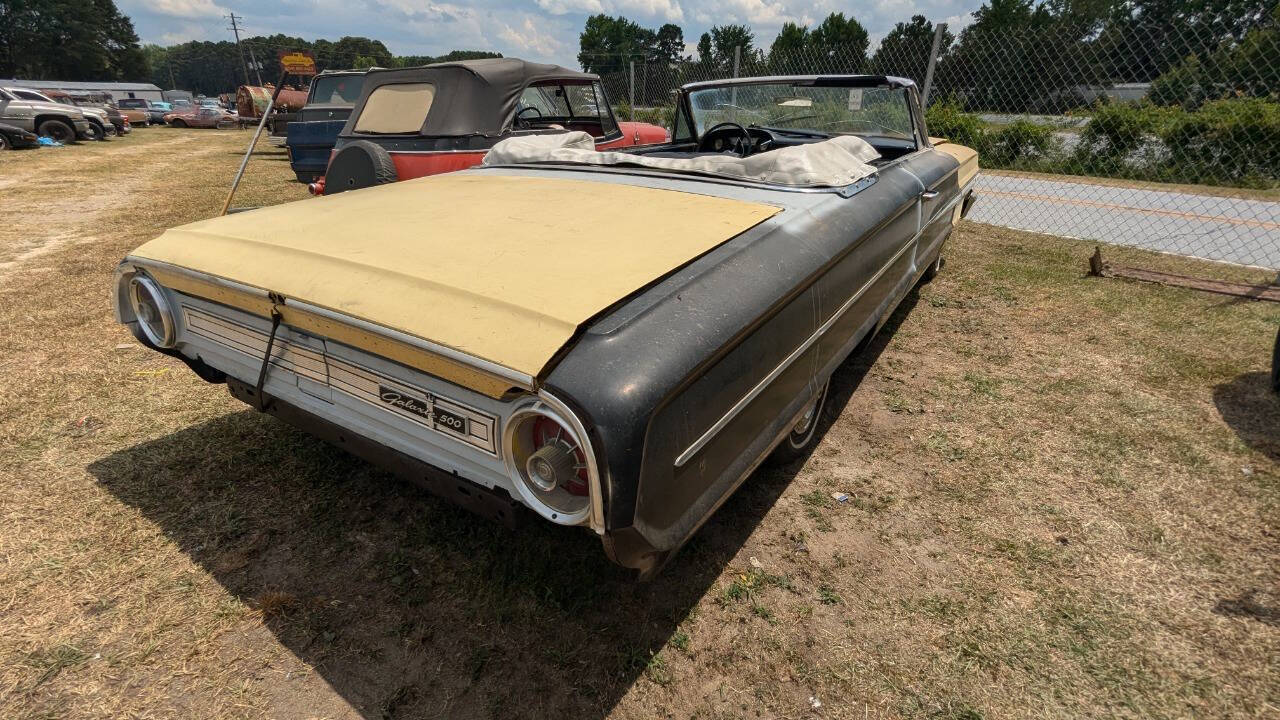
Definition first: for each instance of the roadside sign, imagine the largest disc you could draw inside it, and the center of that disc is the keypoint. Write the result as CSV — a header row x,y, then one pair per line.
x,y
297,62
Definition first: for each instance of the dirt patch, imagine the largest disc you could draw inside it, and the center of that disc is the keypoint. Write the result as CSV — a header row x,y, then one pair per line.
x,y
58,203
1061,499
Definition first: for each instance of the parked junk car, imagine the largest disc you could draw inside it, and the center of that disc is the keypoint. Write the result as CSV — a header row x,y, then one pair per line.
x,y
58,122
100,124
106,103
202,117
138,110
252,101
13,138
614,340
97,119
438,118
312,134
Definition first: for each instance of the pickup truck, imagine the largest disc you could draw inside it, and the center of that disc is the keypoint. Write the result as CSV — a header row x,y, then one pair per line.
x,y
62,123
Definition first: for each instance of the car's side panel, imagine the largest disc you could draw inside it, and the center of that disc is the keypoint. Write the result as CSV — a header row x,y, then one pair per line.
x,y
690,349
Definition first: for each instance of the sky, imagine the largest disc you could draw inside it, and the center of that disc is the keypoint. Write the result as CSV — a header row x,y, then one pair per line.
x,y
542,30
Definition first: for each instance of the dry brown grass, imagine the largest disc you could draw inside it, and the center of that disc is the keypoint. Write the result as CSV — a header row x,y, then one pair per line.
x,y
1064,502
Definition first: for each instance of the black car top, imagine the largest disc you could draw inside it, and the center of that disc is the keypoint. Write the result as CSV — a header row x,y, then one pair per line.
x,y
482,95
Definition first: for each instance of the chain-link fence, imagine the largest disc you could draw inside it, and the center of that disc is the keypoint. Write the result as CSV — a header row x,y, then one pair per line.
x,y
1134,135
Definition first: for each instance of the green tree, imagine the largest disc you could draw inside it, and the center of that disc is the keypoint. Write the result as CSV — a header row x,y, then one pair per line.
x,y
905,50
607,44
843,41
787,53
62,40
670,42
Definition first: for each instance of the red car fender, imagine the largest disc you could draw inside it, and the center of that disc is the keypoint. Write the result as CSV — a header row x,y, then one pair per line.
x,y
416,164
638,133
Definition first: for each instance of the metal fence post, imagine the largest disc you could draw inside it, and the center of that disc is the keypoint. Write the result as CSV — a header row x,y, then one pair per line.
x,y
632,84
737,65
933,61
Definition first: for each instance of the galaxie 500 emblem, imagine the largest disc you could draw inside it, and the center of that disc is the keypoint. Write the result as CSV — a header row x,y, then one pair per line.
x,y
424,408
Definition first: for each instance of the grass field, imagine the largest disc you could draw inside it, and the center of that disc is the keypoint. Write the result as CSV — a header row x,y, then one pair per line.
x,y
1064,501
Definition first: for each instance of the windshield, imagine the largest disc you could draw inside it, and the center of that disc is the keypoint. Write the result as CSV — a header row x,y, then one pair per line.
x,y
576,106
337,89
867,111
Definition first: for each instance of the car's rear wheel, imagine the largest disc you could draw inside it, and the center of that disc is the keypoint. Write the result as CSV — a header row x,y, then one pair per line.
x,y
57,130
361,164
798,442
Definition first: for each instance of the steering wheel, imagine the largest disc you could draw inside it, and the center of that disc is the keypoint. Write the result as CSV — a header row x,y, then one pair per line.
x,y
747,143
521,119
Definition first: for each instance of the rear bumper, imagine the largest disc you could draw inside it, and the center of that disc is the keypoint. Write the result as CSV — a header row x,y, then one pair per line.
x,y
494,504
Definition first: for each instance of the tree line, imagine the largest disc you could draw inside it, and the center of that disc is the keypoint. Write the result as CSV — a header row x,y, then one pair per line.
x,y
216,67
93,40
1017,55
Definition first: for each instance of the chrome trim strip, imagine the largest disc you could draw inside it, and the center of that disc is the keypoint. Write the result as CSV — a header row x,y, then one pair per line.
x,y
519,379
752,394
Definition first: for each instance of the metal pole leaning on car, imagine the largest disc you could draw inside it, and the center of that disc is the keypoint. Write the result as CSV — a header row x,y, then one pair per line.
x,y
262,122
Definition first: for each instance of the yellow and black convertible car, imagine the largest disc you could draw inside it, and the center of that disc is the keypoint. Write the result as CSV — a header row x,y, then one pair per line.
x,y
614,340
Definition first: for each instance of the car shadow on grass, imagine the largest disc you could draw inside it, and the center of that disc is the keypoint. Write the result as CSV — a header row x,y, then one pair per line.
x,y
408,606
1252,411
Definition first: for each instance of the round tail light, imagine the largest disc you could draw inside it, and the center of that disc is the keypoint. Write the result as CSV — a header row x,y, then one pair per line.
x,y
548,464
151,308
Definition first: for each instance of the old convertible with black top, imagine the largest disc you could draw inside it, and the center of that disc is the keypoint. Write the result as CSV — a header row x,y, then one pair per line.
x,y
613,340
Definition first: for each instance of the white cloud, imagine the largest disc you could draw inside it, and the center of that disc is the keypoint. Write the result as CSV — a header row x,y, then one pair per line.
x,y
668,10
564,7
531,41
186,8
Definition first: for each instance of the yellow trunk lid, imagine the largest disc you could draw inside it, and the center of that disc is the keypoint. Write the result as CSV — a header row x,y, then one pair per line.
x,y
503,268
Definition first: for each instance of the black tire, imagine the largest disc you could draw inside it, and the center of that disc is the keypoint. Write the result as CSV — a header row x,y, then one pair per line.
x,y
1275,365
361,164
96,132
58,131
306,178
799,441
177,122
4,143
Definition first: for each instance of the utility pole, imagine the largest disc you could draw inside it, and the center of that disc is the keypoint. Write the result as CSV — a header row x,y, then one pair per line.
x,y
172,84
236,29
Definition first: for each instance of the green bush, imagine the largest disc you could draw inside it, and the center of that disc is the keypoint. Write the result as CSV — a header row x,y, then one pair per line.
x,y
1225,142
1114,134
661,115
1018,144
947,119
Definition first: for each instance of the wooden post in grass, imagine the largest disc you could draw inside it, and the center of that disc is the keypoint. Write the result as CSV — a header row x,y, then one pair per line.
x,y
292,63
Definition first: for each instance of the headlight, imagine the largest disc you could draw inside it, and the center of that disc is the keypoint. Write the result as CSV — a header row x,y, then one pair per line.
x,y
152,311
550,464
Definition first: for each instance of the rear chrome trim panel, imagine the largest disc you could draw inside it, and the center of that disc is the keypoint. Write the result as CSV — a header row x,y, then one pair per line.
x,y
379,390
